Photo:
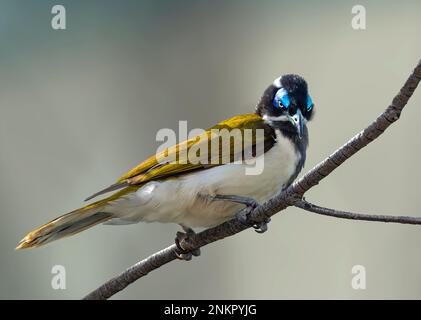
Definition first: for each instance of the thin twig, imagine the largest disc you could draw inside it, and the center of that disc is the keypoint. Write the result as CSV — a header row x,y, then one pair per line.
x,y
305,205
274,205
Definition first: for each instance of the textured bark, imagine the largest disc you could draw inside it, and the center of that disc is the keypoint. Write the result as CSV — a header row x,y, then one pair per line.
x,y
291,196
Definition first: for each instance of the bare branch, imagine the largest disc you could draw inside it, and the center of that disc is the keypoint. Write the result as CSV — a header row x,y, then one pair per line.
x,y
305,205
278,203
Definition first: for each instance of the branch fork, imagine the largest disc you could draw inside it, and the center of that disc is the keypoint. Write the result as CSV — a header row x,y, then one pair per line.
x,y
292,196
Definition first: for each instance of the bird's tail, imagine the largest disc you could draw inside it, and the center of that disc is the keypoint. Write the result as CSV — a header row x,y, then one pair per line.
x,y
66,225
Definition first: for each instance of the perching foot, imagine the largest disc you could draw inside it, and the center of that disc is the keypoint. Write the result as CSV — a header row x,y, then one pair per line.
x,y
180,237
244,214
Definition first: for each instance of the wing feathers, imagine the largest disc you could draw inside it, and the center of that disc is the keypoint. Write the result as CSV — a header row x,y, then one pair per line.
x,y
113,187
159,167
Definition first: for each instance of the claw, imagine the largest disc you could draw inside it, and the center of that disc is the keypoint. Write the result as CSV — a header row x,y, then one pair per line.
x,y
261,227
243,217
183,254
243,214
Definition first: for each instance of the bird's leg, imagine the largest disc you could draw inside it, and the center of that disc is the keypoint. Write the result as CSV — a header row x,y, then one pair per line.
x,y
181,236
243,214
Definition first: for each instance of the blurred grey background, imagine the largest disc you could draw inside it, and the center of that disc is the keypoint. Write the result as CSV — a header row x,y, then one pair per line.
x,y
81,106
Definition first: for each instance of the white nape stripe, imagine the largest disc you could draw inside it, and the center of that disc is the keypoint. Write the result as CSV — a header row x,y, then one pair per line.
x,y
277,82
279,118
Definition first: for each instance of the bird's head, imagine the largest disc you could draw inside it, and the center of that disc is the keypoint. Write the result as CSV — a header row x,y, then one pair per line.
x,y
286,104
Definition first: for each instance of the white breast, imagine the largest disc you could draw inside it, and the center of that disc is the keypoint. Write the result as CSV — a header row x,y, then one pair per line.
x,y
178,200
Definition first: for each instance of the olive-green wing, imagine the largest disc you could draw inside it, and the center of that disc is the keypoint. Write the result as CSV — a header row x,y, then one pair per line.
x,y
216,146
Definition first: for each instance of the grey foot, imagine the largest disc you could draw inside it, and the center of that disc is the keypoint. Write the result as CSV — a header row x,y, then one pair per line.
x,y
244,217
183,254
244,214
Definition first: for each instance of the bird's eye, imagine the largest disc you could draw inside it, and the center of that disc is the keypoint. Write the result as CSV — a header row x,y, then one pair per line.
x,y
309,103
281,99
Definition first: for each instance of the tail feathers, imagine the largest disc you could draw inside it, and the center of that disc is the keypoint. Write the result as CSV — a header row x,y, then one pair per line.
x,y
64,226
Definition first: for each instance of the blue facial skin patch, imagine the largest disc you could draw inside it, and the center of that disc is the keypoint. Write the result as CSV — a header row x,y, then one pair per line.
x,y
309,103
281,99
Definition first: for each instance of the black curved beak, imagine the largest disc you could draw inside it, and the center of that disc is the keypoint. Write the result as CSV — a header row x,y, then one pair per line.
x,y
297,121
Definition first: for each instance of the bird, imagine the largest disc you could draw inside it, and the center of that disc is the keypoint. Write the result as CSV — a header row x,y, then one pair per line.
x,y
203,194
